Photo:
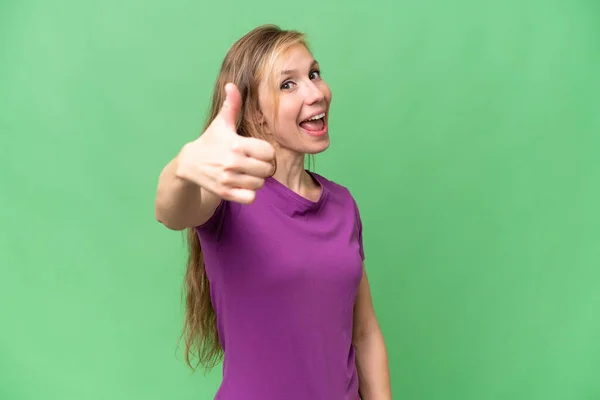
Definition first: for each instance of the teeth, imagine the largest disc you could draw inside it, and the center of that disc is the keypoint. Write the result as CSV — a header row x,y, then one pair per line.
x,y
316,117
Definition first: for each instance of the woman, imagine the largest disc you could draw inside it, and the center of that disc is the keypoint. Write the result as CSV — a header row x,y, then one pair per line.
x,y
279,288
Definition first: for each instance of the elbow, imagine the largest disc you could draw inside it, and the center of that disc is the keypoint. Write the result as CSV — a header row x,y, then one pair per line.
x,y
370,333
162,217
172,225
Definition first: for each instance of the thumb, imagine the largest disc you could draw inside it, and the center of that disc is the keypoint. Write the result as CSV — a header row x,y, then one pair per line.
x,y
231,106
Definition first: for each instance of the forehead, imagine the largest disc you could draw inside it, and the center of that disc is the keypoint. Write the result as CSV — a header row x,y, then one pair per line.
x,y
297,56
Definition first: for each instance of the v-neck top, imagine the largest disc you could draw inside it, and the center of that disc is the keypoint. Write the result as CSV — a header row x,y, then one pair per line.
x,y
284,273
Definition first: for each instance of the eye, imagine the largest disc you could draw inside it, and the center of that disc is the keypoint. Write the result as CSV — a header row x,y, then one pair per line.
x,y
315,74
286,85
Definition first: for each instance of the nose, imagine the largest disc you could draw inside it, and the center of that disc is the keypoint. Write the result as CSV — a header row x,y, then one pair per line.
x,y
313,94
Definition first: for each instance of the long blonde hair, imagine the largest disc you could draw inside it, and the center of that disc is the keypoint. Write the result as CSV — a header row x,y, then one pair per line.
x,y
254,57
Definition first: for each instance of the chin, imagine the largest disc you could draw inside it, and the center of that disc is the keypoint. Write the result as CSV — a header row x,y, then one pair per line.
x,y
320,147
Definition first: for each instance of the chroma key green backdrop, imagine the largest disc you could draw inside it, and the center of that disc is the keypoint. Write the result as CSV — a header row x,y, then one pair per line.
x,y
468,131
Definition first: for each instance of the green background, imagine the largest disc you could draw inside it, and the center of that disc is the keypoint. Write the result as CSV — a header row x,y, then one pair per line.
x,y
468,131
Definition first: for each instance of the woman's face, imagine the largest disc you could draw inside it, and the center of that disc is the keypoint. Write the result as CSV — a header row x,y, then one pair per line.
x,y
303,109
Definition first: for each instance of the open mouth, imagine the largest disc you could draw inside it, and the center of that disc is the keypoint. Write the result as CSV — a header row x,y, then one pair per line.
x,y
314,124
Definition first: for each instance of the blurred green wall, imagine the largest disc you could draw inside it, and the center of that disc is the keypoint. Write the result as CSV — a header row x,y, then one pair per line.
x,y
468,131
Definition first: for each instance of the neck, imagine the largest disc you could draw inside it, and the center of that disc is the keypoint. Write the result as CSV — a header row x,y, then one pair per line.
x,y
290,172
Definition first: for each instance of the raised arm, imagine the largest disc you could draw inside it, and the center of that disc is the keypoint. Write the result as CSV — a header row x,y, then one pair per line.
x,y
220,164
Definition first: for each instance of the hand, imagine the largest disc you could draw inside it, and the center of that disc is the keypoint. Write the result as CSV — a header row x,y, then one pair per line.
x,y
223,162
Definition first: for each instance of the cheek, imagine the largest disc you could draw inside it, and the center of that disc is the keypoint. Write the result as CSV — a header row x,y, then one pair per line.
x,y
288,113
326,92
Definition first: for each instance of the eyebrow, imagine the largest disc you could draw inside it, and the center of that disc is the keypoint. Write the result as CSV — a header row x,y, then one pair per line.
x,y
291,71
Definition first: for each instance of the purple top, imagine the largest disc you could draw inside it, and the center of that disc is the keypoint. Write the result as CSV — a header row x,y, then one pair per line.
x,y
284,273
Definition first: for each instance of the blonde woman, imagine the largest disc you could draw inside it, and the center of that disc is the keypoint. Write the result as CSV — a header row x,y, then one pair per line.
x,y
275,286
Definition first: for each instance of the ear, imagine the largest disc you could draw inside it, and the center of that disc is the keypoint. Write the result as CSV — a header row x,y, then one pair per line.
x,y
259,118
261,121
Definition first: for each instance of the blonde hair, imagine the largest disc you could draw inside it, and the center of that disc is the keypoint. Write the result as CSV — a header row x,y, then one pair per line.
x,y
256,56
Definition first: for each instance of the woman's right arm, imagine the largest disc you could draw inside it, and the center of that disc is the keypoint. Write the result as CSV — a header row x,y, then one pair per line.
x,y
218,165
181,203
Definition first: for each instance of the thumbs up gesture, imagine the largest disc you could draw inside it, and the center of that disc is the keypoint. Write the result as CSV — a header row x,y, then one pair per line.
x,y
223,162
